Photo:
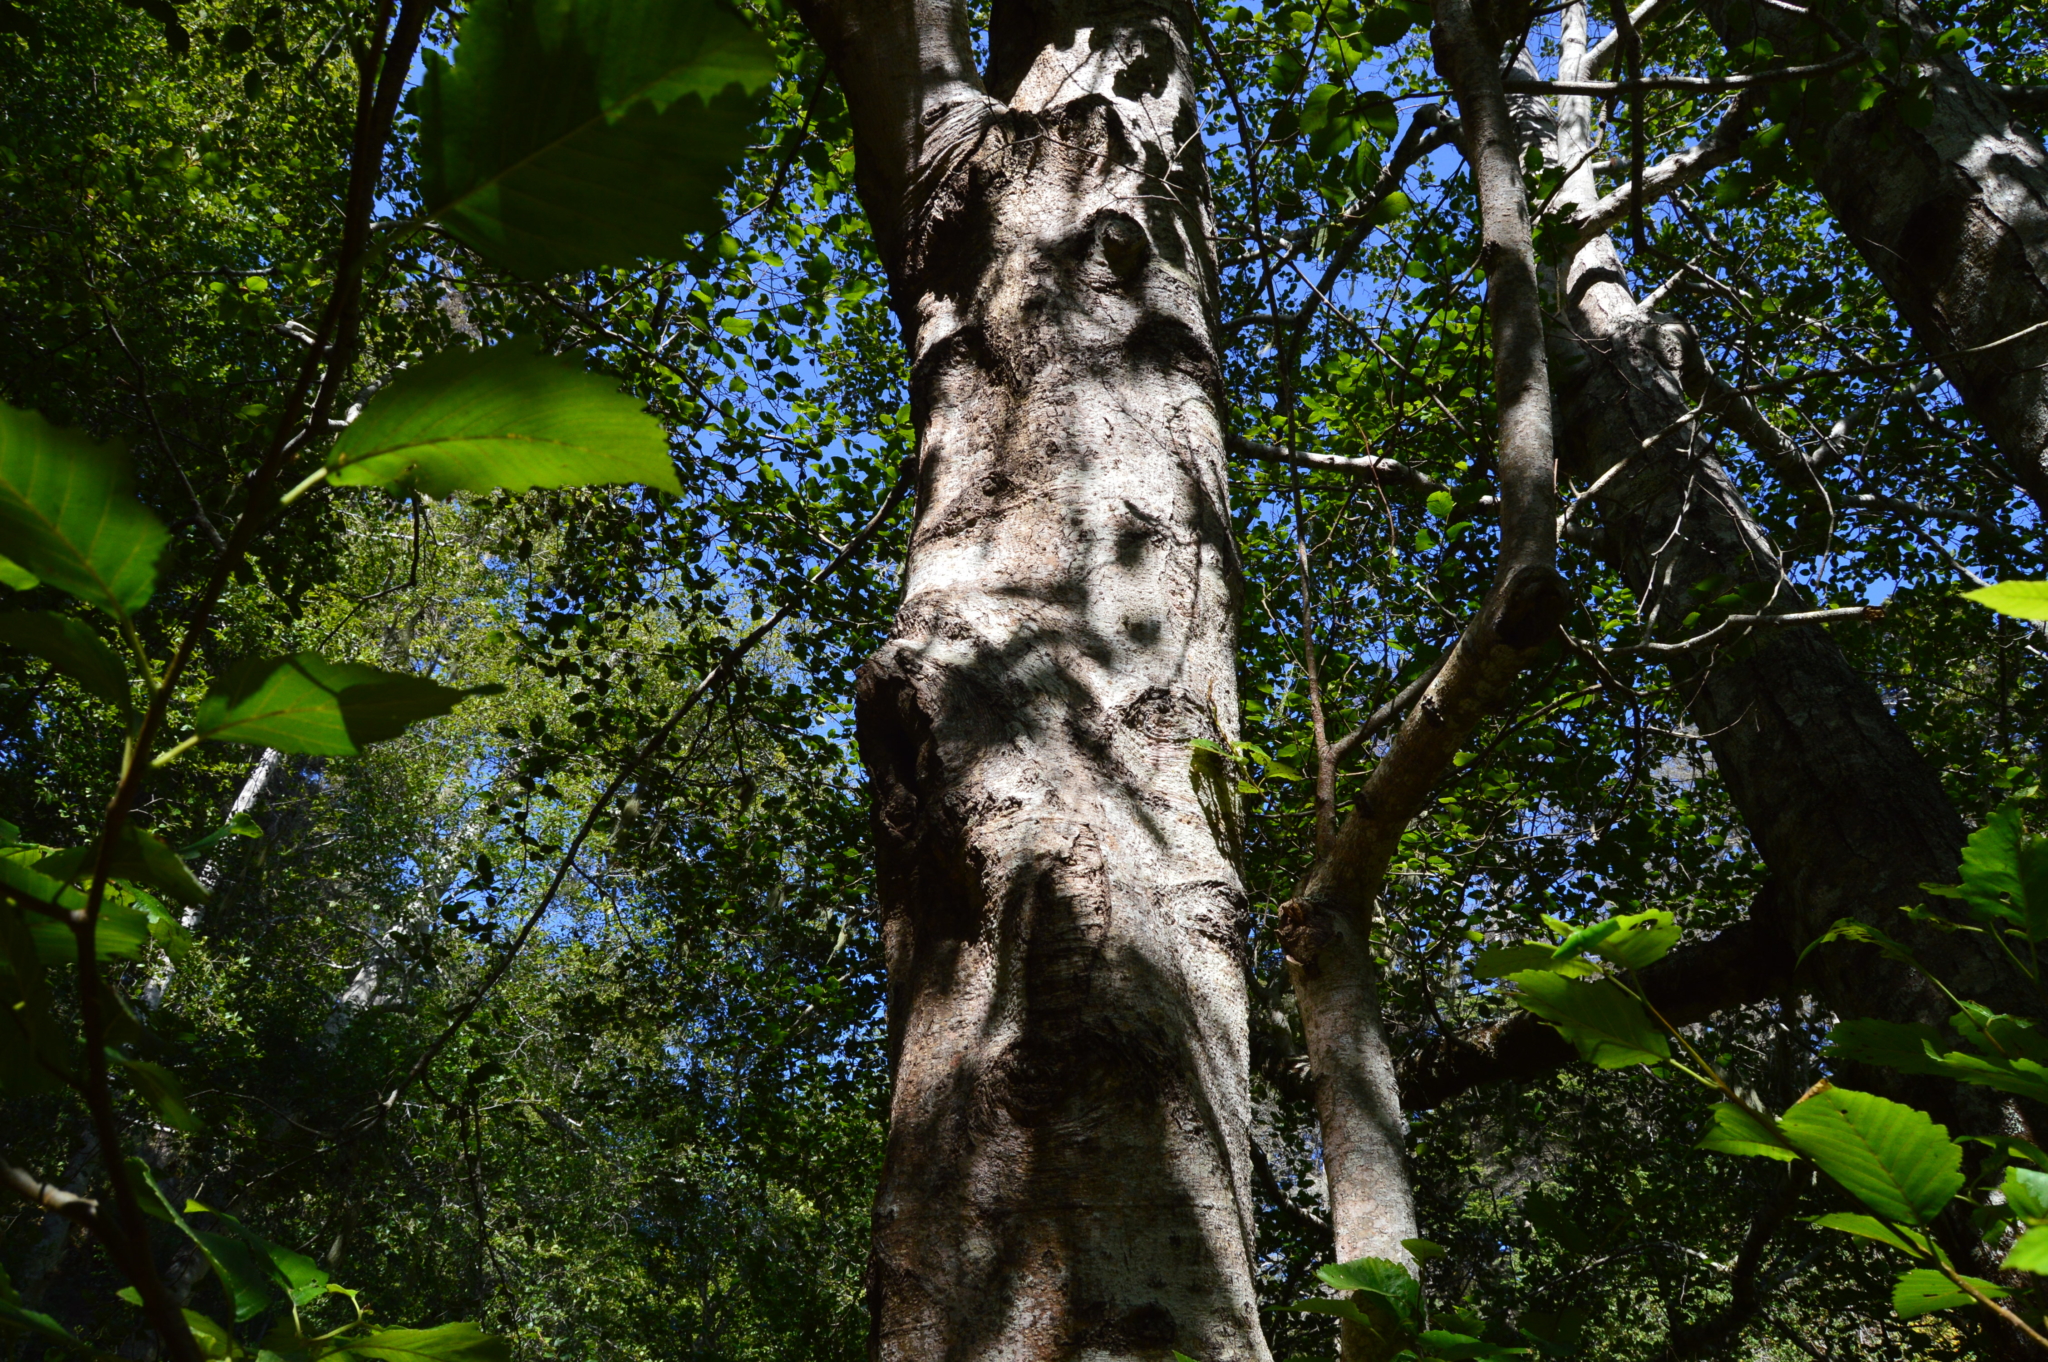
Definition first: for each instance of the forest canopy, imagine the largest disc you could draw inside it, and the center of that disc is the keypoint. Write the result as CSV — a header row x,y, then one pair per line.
x,y
698,679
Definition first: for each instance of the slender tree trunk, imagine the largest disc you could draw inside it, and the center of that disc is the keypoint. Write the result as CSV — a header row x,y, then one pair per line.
x,y
1327,926
1849,818
1067,1173
1946,196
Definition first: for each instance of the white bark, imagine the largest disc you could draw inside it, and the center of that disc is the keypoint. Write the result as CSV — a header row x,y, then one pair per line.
x,y
1068,1171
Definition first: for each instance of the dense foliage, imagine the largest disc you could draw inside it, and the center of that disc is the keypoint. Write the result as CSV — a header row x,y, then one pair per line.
x,y
560,1011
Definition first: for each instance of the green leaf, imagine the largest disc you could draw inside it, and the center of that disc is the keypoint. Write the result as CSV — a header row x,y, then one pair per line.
x,y
13,574
1924,1290
1870,1227
155,1085
1733,1130
1849,929
1497,962
477,420
1423,1250
1640,939
305,703
71,647
139,856
462,1342
2029,1252
1441,504
68,514
1382,1282
298,1276
2026,1191
2022,600
215,1343
1894,1045
240,1275
31,1050
1584,939
1893,1159
1608,1026
578,133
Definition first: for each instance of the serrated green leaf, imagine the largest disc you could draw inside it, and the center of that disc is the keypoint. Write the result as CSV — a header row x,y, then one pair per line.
x,y
2022,600
580,133
155,1085
1733,1130
72,648
1441,504
305,703
1924,1290
462,1342
1893,1159
1606,1025
2029,1252
69,516
2026,1191
478,420
1870,1227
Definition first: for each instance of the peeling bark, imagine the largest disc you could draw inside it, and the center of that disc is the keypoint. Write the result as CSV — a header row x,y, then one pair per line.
x,y
1068,1172
1951,216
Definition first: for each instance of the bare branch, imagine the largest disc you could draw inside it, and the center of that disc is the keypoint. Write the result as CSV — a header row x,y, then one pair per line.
x,y
1386,472
1742,624
78,1210
1717,149
1603,53
1627,87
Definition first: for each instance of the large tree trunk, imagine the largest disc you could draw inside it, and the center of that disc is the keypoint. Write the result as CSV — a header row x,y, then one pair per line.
x,y
1067,1172
1848,817
1951,214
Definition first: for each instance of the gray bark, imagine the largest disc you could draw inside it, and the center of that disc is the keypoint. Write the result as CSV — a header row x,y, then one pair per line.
x,y
1849,818
1327,925
1067,1172
1952,217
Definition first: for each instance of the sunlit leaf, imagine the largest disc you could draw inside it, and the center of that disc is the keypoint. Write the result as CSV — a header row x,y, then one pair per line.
x,y
1893,1159
505,417
13,574
1870,1227
1639,939
2029,1252
305,703
68,514
462,1342
1924,1290
2022,600
579,133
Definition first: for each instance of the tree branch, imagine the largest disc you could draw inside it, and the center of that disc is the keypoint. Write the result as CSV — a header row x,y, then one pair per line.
x,y
1385,472
1629,87
1717,149
1746,963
